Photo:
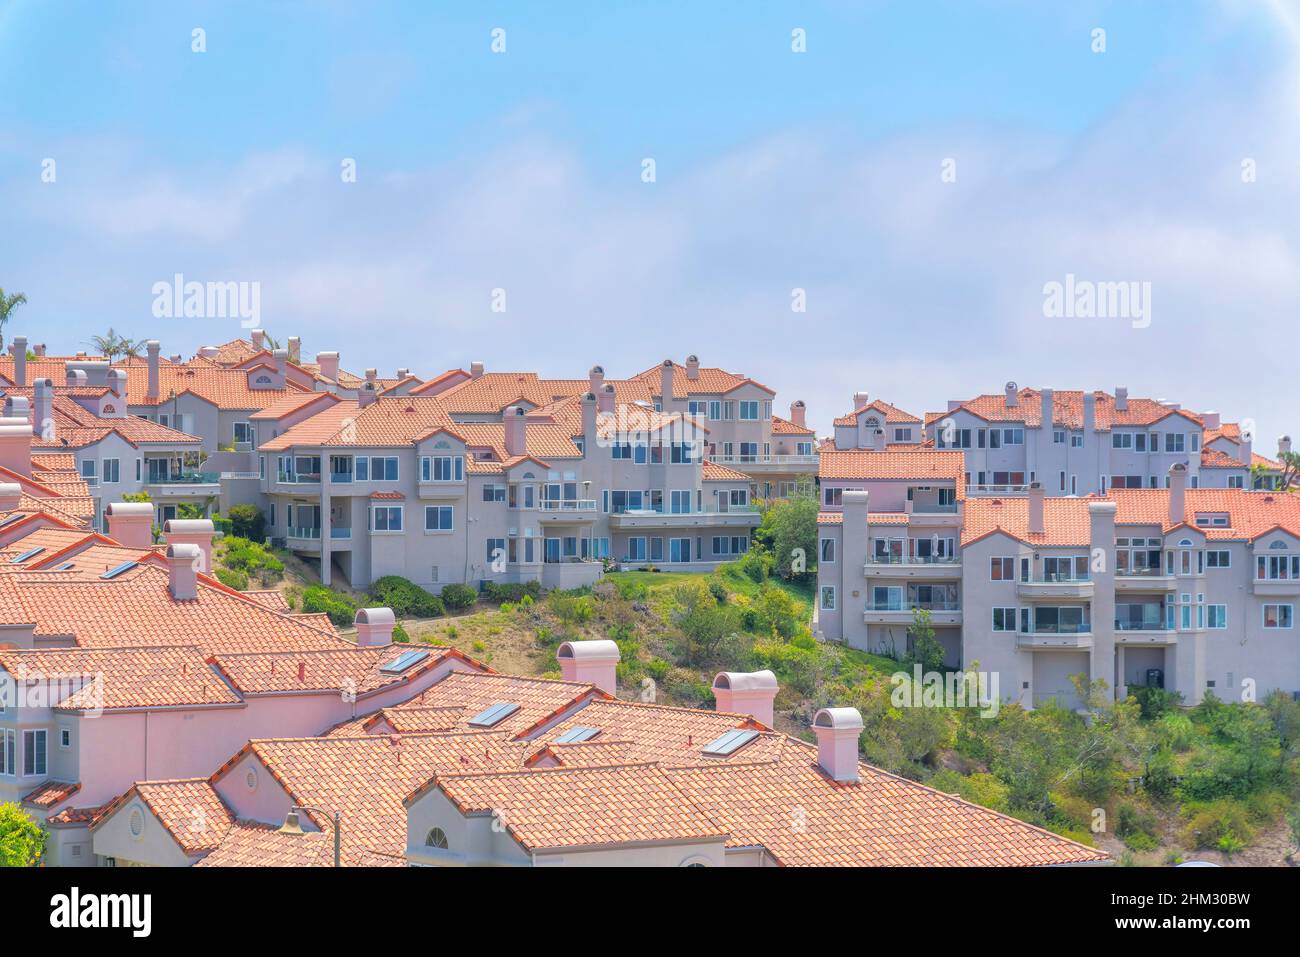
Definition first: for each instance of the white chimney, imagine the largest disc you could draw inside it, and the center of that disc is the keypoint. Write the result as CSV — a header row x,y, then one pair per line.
x,y
39,349
595,379
589,435
117,385
590,662
692,367
152,349
1048,399
192,531
605,398
17,407
475,370
43,411
1036,522
1121,398
1211,421
372,375
838,730
295,350
209,352
20,360
258,337
11,496
374,626
752,693
183,571
76,378
130,523
1177,492
1244,448
1013,395
516,430
1089,414
1284,445
281,357
859,400
403,373
367,394
799,413
16,445
666,391
329,365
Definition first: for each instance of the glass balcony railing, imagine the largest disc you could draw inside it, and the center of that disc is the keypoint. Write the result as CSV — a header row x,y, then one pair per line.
x,y
1063,628
913,560
907,605
184,478
302,532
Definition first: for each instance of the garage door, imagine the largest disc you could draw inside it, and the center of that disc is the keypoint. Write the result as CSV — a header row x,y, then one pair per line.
x,y
1052,671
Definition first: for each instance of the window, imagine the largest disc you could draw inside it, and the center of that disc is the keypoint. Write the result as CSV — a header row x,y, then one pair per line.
x,y
953,439
1004,619
1218,558
1121,440
442,468
496,550
1002,569
827,554
887,598
1058,436
1218,616
494,493
438,518
383,468
680,502
1065,569
1277,567
65,738
1013,436
1076,440
833,497
679,549
828,597
1175,442
7,752
244,432
110,472
436,837
1277,616
748,410
90,473
34,752
902,434
636,549
386,518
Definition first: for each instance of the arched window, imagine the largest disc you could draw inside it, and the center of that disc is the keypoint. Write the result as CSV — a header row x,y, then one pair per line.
x,y
437,838
1279,544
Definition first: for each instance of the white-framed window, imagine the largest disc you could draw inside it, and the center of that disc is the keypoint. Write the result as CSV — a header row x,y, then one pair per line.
x,y
833,497
439,518
828,597
244,432
827,554
1217,616
1175,442
679,550
386,518
748,410
636,549
1277,616
1058,436
1277,567
376,468
90,472
34,752
1076,440
1004,619
110,471
1121,440
1218,558
442,468
8,751
1002,569
496,550
65,737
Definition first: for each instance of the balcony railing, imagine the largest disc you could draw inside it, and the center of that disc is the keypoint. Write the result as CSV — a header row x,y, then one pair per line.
x,y
185,478
1081,628
909,605
309,533
1139,572
341,478
913,560
298,478
710,509
1141,625
934,508
997,489
793,461
337,531
568,505
240,475
1055,578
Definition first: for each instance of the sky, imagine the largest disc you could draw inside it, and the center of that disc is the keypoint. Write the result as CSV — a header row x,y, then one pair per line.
x,y
881,211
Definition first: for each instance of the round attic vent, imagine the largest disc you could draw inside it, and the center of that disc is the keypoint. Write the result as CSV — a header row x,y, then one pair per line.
x,y
250,780
136,823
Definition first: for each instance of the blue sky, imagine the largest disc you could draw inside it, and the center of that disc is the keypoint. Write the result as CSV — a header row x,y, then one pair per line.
x,y
775,171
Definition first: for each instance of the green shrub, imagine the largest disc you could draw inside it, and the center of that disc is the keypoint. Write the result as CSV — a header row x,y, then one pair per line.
x,y
399,634
247,521
718,590
456,596
1155,702
512,591
570,608
756,566
1216,824
1136,828
629,589
233,578
341,609
405,598
222,525
251,558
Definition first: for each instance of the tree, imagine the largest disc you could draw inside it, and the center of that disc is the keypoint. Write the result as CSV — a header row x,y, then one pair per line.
x,y
22,840
926,650
790,529
703,622
8,303
1290,476
112,345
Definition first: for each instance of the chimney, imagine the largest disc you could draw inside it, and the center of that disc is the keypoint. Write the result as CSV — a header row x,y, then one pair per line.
x,y
11,496
258,337
860,399
367,394
16,445
117,383
76,378
595,379
130,523
39,350
152,349
954,404
1121,398
1177,492
1244,448
605,399
403,373
589,435
295,350
1013,395
329,365
1036,522
1101,534
209,352
43,417
475,370
799,413
590,662
752,693
182,571
666,391
1048,398
20,360
372,375
1284,445
1089,414
17,407
374,626
1211,421
838,730
515,422
692,367
176,359
281,357
191,531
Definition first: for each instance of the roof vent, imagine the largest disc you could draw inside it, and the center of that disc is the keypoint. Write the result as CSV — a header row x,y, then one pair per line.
x,y
837,731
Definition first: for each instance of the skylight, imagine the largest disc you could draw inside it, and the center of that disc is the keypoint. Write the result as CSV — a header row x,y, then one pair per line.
x,y
730,742
494,715
30,553
114,572
575,735
404,662
17,516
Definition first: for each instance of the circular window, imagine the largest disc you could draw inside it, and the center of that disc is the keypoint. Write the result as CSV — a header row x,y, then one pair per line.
x,y
437,838
250,780
136,823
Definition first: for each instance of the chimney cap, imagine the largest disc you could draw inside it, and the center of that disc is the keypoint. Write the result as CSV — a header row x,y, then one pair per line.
x,y
127,509
599,649
597,370
375,616
692,358
187,526
668,363
840,719
746,680
1178,467
182,551
858,496
589,397
797,404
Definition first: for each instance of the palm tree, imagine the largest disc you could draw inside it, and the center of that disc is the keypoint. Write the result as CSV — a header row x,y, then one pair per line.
x,y
7,305
113,345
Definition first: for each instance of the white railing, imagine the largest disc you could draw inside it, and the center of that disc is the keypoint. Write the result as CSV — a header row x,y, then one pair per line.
x,y
997,489
568,505
240,475
788,460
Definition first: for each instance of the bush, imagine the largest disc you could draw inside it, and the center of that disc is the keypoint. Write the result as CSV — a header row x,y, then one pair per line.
x,y
718,590
341,609
399,634
1219,824
1136,828
570,608
512,591
233,578
756,566
22,840
405,598
629,589
222,525
1156,702
247,521
251,558
456,596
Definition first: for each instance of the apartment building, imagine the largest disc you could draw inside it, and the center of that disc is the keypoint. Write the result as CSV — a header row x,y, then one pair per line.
x,y
393,484
1229,461
1189,589
492,769
875,425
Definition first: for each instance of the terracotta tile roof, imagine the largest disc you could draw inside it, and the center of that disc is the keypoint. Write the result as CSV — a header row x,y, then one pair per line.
x,y
891,413
349,668
63,493
121,678
710,381
802,818
711,471
873,518
1067,410
625,804
190,810
76,427
1065,520
913,464
271,599
1250,513
493,391
290,403
782,426
539,699
76,816
51,793
226,388
315,431
253,844
1214,459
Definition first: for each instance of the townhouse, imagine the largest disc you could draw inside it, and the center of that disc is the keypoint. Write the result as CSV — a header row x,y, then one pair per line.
x,y
502,770
393,484
875,425
1192,590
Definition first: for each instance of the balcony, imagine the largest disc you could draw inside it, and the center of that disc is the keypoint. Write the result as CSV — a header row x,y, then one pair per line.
x,y
1270,587
298,478
437,488
571,573
1046,588
561,511
180,484
340,532
729,516
1143,579
1144,633
303,539
912,568
1058,637
901,612
768,463
996,490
